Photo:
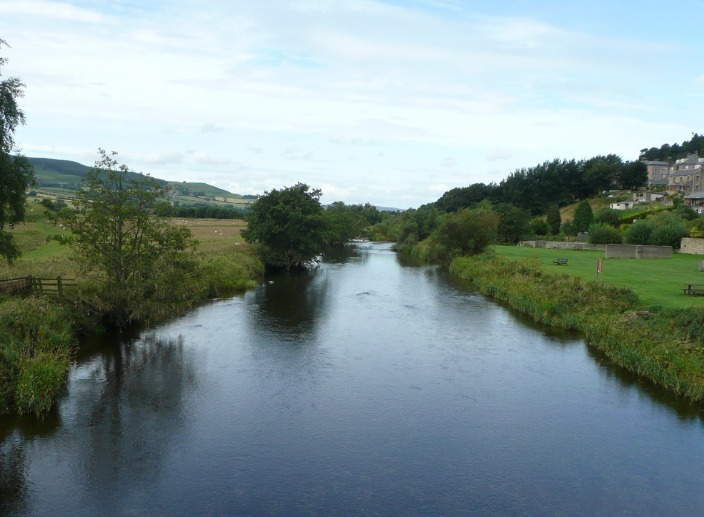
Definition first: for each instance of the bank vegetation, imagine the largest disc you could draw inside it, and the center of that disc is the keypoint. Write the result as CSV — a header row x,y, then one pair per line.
x,y
665,346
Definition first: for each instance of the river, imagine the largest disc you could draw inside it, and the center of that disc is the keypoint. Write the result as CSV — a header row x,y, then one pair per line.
x,y
369,387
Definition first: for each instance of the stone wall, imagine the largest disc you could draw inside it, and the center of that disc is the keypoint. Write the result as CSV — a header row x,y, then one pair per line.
x,y
637,251
692,246
574,246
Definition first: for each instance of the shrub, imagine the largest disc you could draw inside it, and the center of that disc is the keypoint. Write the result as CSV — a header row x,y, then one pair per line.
x,y
36,343
601,233
639,232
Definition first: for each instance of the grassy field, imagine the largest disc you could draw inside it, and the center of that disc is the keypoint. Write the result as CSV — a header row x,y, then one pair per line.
x,y
47,258
657,282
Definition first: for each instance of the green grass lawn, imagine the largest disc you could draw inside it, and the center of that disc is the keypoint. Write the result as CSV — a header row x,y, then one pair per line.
x,y
658,282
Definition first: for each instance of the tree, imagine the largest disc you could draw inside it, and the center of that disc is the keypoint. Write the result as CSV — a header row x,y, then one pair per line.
x,y
16,173
465,232
632,175
116,235
554,219
668,230
583,217
343,223
514,223
290,226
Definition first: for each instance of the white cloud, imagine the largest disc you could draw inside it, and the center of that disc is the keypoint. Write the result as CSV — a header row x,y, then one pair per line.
x,y
343,94
205,158
158,157
57,10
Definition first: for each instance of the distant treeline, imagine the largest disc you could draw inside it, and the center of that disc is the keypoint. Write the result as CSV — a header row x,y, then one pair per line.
x,y
560,182
204,212
670,153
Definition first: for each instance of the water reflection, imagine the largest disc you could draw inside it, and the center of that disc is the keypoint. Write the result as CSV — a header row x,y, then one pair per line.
x,y
13,482
129,403
292,303
362,388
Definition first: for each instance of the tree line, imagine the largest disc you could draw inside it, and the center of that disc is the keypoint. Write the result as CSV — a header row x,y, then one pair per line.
x,y
558,181
670,153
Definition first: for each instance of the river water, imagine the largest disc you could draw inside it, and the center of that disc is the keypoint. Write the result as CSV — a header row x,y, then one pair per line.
x,y
370,387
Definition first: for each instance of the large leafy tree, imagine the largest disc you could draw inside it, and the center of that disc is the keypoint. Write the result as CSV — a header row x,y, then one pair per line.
x,y
632,175
290,226
117,235
16,173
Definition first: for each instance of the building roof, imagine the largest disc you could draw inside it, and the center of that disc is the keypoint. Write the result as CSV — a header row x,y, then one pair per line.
x,y
695,195
657,181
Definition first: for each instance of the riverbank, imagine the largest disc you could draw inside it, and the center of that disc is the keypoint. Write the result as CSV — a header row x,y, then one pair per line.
x,y
38,335
665,346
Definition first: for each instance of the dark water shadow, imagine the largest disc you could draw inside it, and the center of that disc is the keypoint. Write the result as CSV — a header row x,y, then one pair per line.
x,y
129,398
291,304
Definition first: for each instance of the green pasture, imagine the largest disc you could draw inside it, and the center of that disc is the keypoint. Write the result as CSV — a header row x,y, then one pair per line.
x,y
658,282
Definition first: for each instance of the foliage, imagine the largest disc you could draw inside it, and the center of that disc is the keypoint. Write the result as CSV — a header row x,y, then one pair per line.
x,y
668,230
345,222
554,219
583,217
36,343
290,226
632,175
685,212
410,226
540,227
657,282
465,232
600,172
639,232
226,272
116,234
465,197
603,233
514,224
16,174
663,346
567,228
609,216
668,152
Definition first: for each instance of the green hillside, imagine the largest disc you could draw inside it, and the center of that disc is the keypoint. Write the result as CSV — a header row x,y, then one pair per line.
x,y
62,178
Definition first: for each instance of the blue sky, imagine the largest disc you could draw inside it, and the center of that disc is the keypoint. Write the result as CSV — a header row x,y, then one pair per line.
x,y
389,102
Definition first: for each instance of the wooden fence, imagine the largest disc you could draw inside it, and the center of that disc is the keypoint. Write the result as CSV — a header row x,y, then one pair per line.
x,y
45,286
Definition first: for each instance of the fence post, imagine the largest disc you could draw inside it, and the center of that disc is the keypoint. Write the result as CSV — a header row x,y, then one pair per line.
x,y
29,283
59,288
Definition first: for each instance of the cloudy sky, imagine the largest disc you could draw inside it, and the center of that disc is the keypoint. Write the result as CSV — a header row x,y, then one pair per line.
x,y
391,102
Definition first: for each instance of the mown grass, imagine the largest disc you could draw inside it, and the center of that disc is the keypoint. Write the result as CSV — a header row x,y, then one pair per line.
x,y
664,345
657,282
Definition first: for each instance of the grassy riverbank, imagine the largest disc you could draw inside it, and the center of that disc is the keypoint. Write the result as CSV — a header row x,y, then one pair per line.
x,y
38,335
664,345
657,282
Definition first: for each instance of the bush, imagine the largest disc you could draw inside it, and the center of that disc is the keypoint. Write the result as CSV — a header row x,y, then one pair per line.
x,y
36,343
601,233
639,232
540,226
609,216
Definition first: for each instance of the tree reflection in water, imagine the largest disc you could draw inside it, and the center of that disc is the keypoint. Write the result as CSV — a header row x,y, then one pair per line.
x,y
129,400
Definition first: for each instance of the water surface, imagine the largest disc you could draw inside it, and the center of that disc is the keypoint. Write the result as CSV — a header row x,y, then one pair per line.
x,y
370,387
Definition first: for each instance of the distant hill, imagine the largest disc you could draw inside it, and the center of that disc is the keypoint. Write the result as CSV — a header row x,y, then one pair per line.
x,y
62,178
